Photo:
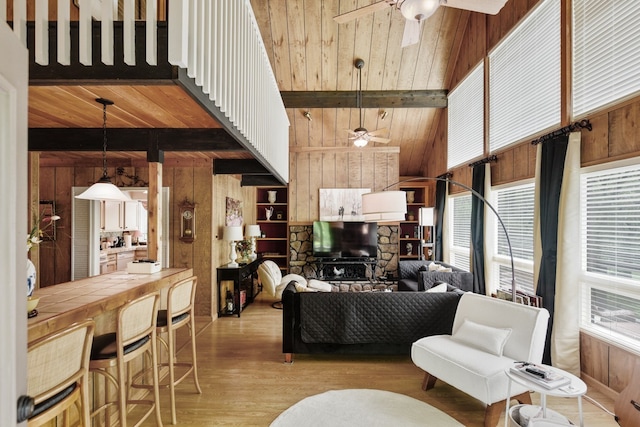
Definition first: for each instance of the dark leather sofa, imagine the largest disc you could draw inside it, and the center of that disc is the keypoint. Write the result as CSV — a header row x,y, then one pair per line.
x,y
414,275
363,322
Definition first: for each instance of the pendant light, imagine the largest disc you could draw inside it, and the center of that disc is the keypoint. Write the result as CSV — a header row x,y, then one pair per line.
x,y
104,188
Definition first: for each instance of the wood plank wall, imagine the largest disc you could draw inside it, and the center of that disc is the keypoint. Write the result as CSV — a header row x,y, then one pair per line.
x,y
615,136
186,179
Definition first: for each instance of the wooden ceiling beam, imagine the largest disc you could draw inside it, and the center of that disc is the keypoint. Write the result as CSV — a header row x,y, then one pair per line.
x,y
238,167
128,139
370,99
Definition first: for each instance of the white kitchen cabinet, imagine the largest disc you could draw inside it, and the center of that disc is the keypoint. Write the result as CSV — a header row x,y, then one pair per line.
x,y
130,215
119,216
111,216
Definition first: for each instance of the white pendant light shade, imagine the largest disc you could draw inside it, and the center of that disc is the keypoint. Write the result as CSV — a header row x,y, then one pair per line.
x,y
104,188
384,206
361,141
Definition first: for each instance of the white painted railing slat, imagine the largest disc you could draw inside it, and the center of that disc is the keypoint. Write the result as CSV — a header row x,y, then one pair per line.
x,y
42,32
64,33
152,33
129,32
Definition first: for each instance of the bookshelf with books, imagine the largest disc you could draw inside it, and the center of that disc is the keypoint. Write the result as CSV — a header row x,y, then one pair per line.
x,y
271,216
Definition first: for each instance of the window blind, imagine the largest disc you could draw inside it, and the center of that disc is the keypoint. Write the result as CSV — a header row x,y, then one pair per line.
x,y
515,206
460,232
606,52
465,133
524,78
610,295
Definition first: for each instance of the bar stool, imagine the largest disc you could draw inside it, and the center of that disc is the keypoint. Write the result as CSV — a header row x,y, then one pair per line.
x,y
58,374
135,336
180,309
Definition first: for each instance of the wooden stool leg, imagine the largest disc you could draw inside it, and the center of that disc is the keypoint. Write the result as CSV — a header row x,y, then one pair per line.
x,y
156,380
172,377
122,393
192,331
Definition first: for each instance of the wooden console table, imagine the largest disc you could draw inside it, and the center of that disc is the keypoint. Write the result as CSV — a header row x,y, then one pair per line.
x,y
242,277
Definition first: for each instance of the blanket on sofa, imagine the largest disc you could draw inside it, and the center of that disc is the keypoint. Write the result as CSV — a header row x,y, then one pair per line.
x,y
374,317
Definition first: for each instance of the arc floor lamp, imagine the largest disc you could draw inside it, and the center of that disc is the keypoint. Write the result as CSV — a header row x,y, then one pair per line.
x,y
388,206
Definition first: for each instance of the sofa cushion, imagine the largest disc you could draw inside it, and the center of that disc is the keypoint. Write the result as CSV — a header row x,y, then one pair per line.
x,y
483,374
320,285
487,338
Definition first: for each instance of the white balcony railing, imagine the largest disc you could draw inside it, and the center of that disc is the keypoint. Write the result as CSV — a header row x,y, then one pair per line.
x,y
217,41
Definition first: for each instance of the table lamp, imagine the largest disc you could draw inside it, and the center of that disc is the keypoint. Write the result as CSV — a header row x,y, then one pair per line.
x,y
232,234
252,232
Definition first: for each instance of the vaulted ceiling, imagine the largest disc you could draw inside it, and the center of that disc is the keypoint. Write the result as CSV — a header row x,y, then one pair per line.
x,y
312,57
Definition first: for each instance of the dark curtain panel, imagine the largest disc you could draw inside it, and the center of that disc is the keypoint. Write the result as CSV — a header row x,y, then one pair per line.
x,y
441,200
477,230
551,172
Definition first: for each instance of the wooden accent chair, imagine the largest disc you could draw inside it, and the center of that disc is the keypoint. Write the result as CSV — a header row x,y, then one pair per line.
x,y
58,374
135,336
488,336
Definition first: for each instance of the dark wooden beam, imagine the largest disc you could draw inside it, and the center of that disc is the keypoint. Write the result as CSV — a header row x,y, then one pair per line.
x,y
370,99
127,139
259,180
238,167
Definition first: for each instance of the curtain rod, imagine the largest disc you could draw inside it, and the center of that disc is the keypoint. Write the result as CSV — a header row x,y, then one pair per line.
x,y
582,124
492,158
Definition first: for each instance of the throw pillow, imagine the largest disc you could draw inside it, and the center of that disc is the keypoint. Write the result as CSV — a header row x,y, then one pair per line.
x,y
482,337
433,266
319,285
440,287
303,288
444,269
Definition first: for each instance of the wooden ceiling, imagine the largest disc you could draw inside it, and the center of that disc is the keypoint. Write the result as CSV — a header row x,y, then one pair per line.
x,y
308,51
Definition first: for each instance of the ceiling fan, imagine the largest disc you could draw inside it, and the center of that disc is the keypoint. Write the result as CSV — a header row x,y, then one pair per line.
x,y
417,11
360,135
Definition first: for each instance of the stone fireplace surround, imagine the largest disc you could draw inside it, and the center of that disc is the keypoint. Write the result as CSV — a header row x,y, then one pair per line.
x,y
301,260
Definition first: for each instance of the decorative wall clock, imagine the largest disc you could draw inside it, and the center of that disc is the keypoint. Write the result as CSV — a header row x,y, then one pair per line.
x,y
187,221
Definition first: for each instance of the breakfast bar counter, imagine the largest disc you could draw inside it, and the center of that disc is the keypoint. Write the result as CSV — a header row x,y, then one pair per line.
x,y
96,297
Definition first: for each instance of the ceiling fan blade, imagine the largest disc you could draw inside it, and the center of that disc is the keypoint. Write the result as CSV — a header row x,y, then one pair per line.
x,y
380,140
411,33
491,7
378,131
363,11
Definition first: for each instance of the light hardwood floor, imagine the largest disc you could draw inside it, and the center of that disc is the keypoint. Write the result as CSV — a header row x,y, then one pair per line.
x,y
245,382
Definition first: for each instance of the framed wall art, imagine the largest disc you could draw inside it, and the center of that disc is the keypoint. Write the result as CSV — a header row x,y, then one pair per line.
x,y
341,204
233,214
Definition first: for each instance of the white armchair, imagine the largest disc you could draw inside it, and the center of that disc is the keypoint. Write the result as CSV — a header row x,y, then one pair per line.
x,y
488,336
273,283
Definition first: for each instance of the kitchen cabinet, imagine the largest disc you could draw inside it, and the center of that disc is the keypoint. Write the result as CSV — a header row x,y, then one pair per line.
x,y
123,259
110,265
119,216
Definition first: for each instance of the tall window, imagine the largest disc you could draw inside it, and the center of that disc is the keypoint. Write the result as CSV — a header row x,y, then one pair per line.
x,y
524,78
610,285
465,133
460,217
515,206
606,52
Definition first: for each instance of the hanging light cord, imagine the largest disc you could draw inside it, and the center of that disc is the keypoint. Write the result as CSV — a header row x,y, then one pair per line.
x,y
104,140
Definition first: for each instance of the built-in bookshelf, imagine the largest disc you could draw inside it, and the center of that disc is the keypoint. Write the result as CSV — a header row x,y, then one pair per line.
x,y
271,216
408,230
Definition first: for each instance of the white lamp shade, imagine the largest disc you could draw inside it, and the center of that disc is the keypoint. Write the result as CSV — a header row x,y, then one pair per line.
x,y
252,230
383,206
232,233
426,216
103,191
418,10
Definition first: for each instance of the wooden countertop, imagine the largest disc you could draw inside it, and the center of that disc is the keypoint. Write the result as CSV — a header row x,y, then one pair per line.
x,y
123,249
66,303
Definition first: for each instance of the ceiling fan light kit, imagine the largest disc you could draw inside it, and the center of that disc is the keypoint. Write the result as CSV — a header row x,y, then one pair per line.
x,y
417,11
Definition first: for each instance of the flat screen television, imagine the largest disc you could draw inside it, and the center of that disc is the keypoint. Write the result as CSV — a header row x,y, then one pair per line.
x,y
339,239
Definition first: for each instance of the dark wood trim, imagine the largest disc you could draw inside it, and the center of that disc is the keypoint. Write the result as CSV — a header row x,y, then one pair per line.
x,y
370,99
238,167
128,139
259,181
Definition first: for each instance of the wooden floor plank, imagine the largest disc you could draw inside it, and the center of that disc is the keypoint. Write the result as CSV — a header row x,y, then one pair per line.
x,y
245,382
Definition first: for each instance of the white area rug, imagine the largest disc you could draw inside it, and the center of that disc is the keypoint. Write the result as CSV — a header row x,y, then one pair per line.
x,y
362,407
